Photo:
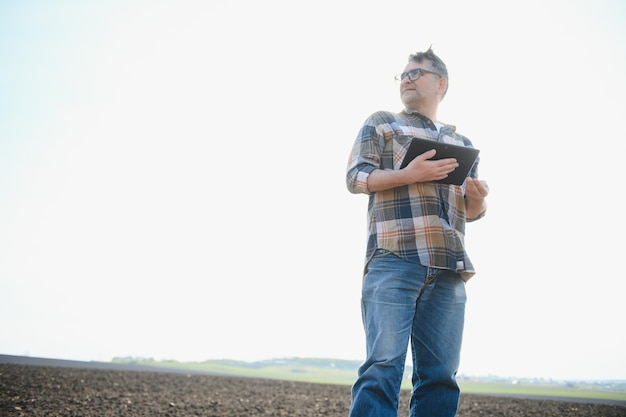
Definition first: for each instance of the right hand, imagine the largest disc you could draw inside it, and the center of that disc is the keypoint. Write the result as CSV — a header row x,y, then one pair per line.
x,y
422,169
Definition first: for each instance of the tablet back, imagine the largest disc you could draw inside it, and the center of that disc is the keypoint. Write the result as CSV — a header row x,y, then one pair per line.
x,y
465,156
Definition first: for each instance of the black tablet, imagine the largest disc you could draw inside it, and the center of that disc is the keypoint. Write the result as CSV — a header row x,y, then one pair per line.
x,y
465,156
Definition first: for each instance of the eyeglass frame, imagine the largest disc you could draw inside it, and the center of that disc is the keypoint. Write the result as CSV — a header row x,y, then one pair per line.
x,y
418,71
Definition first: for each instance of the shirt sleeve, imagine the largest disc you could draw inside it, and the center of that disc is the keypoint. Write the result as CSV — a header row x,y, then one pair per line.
x,y
364,158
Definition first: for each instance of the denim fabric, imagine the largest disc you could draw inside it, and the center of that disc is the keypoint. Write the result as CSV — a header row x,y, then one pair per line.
x,y
402,303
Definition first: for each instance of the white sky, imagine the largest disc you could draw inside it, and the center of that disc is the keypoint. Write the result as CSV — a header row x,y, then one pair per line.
x,y
172,176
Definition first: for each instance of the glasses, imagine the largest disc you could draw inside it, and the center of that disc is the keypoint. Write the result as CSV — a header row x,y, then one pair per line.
x,y
414,74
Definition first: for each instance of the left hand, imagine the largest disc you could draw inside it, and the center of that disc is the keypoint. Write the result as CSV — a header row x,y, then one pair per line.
x,y
476,189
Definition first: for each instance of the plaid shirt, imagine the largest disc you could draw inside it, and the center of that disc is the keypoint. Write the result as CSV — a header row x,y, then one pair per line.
x,y
421,222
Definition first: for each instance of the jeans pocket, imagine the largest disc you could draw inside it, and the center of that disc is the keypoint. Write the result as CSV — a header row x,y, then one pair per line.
x,y
381,253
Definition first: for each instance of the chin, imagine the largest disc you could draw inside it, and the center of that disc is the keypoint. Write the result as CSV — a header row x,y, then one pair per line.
x,y
408,98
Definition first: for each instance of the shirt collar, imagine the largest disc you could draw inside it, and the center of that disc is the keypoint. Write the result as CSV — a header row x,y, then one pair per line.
x,y
446,128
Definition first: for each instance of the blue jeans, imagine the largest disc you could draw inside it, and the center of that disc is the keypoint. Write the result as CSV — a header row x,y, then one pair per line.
x,y
406,302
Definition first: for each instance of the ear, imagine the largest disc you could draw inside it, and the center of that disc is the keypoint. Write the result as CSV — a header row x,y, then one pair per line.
x,y
443,85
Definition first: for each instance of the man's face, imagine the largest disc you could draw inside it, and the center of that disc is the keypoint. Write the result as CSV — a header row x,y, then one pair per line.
x,y
422,91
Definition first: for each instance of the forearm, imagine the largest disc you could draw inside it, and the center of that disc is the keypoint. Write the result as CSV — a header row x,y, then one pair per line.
x,y
381,180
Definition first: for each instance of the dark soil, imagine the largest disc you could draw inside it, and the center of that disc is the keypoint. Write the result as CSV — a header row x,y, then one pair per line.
x,y
33,391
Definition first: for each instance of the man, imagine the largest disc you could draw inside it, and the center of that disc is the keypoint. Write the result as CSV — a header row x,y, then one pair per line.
x,y
416,265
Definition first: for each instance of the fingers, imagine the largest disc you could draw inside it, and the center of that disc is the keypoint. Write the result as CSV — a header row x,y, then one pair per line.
x,y
485,187
423,168
477,188
448,165
444,167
